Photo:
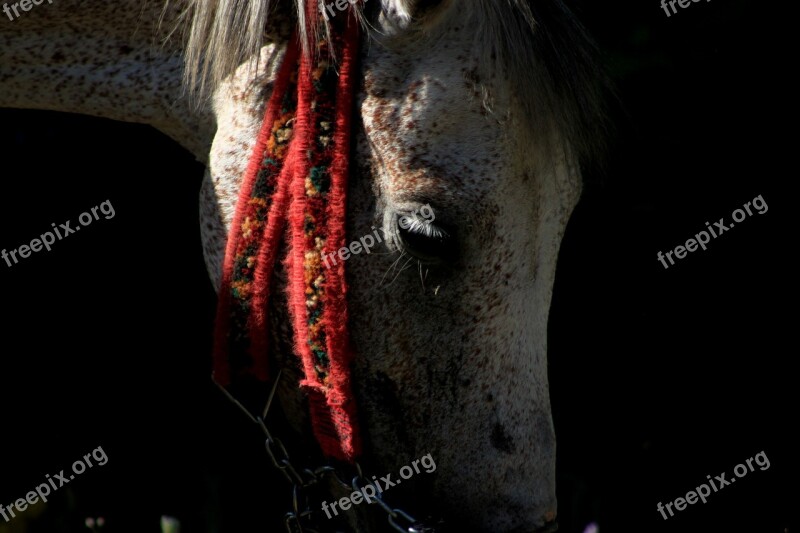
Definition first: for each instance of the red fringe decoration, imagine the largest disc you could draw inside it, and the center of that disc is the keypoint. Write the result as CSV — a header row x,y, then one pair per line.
x,y
300,152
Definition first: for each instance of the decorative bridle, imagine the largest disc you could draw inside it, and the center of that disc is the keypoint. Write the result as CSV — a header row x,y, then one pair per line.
x,y
296,179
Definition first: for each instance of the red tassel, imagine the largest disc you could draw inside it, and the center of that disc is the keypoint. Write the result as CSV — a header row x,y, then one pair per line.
x,y
279,189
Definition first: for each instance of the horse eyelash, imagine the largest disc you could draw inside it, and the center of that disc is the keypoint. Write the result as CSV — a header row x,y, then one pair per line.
x,y
425,228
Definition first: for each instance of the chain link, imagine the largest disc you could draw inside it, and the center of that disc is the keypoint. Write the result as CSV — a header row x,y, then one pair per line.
x,y
301,518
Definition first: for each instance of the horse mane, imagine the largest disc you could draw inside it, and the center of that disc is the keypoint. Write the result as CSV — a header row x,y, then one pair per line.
x,y
540,44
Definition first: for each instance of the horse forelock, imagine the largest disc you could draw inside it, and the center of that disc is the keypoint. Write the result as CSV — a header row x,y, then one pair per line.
x,y
221,35
542,47
546,52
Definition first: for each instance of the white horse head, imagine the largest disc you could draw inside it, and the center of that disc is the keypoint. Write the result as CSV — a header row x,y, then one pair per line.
x,y
483,110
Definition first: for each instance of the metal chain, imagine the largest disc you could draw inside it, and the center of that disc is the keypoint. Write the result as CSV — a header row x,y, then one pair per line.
x,y
306,479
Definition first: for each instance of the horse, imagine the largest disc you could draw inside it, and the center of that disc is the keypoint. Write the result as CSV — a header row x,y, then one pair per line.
x,y
483,111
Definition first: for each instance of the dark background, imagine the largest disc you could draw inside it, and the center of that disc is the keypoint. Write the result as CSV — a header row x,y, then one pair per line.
x,y
658,377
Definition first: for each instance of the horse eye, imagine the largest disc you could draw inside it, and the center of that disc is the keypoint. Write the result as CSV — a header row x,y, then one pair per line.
x,y
424,240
